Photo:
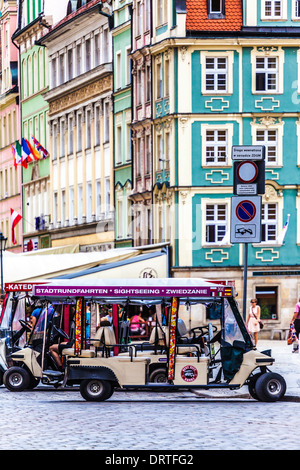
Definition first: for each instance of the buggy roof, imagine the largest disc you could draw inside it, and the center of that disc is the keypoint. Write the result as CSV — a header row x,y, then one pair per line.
x,y
133,288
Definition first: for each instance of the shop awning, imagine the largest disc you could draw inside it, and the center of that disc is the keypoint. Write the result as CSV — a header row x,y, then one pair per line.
x,y
150,261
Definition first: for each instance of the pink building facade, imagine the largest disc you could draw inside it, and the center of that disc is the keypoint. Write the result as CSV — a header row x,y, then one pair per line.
x,y
10,176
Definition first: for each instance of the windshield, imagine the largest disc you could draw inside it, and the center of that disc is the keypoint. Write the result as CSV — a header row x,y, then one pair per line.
x,y
6,319
232,330
39,326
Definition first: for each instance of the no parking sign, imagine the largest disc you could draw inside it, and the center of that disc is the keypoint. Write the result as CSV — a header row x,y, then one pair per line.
x,y
245,219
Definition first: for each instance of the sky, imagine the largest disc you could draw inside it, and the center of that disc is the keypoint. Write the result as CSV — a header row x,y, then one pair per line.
x,y
56,8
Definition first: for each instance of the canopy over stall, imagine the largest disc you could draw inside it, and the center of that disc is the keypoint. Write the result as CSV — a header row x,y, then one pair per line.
x,y
149,261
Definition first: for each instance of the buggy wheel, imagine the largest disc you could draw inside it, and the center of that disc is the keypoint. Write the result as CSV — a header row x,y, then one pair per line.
x,y
270,387
252,384
95,390
158,376
16,379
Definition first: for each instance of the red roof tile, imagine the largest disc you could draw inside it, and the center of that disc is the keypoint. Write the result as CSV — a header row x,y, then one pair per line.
x,y
77,12
197,19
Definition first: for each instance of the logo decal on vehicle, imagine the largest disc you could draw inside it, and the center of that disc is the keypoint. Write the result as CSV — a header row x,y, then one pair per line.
x,y
189,373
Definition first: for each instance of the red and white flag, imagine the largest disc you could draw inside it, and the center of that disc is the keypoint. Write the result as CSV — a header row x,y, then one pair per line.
x,y
15,219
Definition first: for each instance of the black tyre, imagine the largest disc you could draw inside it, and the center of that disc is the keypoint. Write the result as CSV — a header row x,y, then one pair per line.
x,y
95,389
251,386
270,387
158,376
1,378
33,383
16,379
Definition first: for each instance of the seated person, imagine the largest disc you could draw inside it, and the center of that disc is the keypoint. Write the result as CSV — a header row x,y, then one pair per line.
x,y
137,325
56,349
107,320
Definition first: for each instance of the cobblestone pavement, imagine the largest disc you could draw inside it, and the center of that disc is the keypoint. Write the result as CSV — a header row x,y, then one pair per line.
x,y
48,419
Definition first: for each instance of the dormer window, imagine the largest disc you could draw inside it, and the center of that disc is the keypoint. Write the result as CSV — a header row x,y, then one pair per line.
x,y
273,8
216,9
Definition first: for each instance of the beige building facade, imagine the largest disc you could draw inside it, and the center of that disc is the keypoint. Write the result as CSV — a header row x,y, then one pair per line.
x,y
81,131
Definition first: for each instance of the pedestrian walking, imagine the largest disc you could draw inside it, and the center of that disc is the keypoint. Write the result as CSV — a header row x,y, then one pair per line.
x,y
296,323
253,320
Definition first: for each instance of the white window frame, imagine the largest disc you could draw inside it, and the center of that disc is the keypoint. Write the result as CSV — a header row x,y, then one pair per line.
x,y
266,53
228,128
221,234
269,222
272,6
279,138
268,72
229,56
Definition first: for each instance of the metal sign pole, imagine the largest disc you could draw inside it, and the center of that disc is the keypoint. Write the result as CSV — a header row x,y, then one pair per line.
x,y
245,280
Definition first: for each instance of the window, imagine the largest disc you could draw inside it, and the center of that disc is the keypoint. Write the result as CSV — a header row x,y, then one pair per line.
x,y
216,147
89,203
138,156
159,81
216,8
162,6
107,196
269,223
139,86
79,132
147,15
106,121
97,49
119,218
266,74
128,66
62,138
98,199
97,125
148,154
215,222
268,138
167,77
216,74
88,129
267,300
119,146
78,59
61,69
71,205
118,70
70,135
297,8
138,18
54,71
128,142
148,82
70,64
273,8
88,62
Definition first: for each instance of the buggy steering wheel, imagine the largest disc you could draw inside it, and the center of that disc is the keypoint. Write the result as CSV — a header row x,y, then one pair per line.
x,y
26,325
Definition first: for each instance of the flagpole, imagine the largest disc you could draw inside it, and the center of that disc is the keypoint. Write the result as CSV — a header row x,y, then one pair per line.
x,y
2,248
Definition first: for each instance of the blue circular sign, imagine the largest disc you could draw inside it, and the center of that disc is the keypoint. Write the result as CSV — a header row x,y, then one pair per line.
x,y
245,211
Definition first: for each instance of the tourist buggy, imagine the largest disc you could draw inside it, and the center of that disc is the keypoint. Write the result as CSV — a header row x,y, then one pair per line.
x,y
183,351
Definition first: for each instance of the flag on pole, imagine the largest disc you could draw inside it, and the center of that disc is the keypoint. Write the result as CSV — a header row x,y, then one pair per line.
x,y
282,235
17,157
31,149
26,152
15,219
39,147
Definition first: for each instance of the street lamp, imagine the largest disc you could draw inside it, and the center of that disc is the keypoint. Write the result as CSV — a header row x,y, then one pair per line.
x,y
3,241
